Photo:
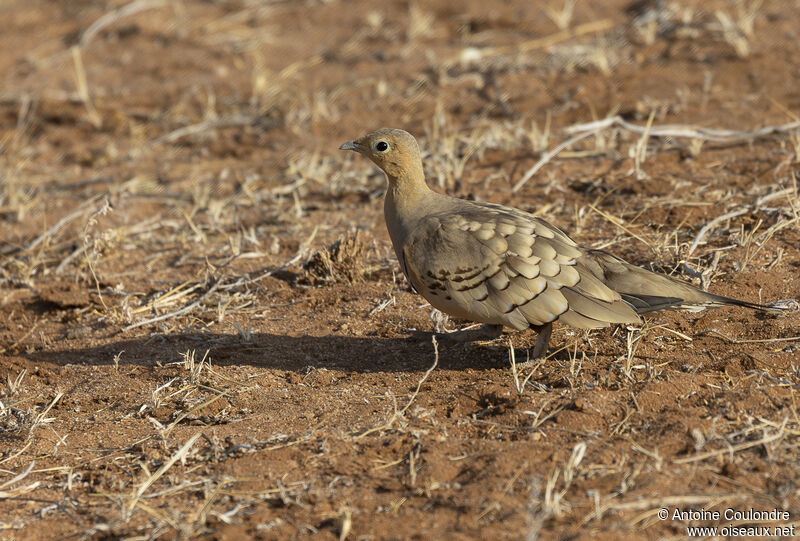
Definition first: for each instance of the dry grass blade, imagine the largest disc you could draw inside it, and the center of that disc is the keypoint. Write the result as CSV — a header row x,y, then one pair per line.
x,y
82,83
425,376
41,418
158,515
773,379
18,453
519,386
763,239
618,223
212,496
184,415
179,454
170,297
15,384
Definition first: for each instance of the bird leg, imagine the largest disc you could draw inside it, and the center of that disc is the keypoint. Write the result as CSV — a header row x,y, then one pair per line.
x,y
542,340
485,332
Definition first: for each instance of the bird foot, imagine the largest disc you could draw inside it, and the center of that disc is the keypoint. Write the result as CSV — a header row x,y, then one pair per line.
x,y
542,340
485,332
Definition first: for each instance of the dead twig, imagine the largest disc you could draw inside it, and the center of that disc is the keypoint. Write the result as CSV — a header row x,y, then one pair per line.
x,y
549,156
397,413
680,130
82,209
19,477
732,449
113,16
424,376
753,341
226,283
473,54
180,311
581,131
301,253
712,224
661,502
773,379
207,125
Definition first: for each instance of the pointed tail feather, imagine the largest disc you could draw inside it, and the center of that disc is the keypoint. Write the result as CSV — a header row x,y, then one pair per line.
x,y
648,291
650,303
772,307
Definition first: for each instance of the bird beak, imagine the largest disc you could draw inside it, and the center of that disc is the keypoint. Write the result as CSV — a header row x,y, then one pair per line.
x,y
351,145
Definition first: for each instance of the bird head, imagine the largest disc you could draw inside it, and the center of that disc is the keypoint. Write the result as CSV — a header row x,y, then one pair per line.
x,y
395,151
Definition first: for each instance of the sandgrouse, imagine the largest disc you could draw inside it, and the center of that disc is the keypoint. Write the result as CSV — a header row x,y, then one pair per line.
x,y
501,266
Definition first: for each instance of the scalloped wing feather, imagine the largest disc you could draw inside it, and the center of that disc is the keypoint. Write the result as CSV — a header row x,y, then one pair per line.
x,y
496,265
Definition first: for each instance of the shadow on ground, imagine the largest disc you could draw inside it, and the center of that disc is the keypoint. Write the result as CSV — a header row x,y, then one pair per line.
x,y
282,352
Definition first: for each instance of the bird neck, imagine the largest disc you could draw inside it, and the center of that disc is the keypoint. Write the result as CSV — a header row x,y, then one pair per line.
x,y
407,187
406,200
405,197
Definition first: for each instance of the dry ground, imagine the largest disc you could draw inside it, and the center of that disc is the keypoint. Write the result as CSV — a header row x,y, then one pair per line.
x,y
177,362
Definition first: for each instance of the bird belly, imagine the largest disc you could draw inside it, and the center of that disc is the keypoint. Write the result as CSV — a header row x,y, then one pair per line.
x,y
474,311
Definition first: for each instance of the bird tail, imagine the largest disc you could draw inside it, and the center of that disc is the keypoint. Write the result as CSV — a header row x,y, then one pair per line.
x,y
650,303
649,291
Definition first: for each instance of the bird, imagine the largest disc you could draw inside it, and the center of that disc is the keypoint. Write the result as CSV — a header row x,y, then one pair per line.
x,y
504,267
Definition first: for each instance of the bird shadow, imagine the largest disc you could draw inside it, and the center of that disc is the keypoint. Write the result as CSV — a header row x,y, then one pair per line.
x,y
282,352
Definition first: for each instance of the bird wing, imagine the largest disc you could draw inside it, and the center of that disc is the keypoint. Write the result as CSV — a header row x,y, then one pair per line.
x,y
498,265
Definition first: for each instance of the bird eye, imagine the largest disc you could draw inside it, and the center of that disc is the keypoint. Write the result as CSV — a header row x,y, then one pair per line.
x,y
382,146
